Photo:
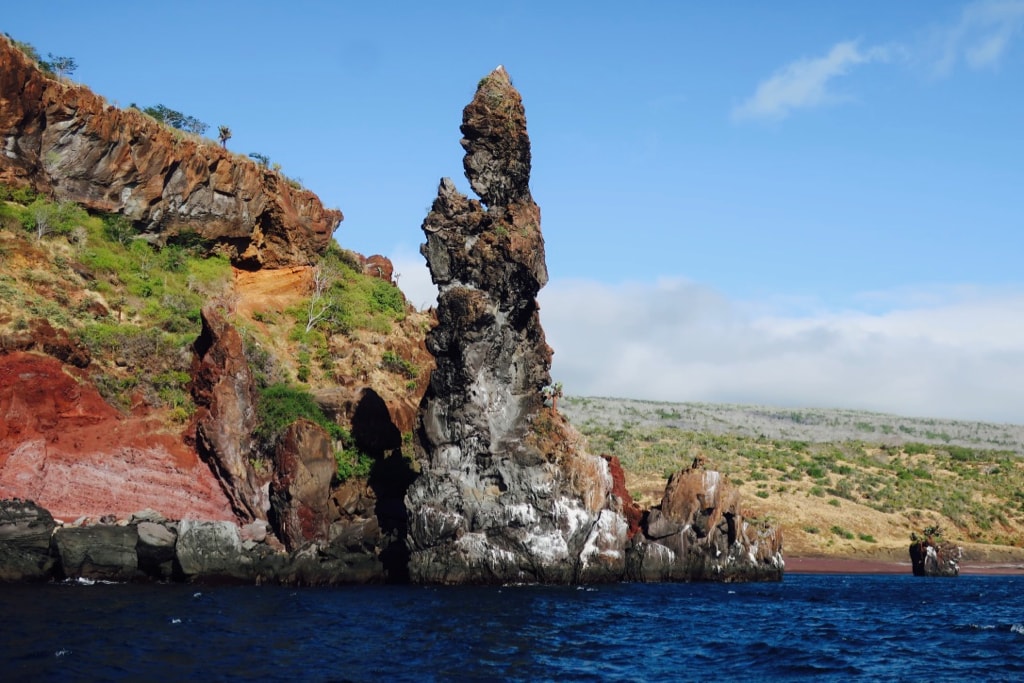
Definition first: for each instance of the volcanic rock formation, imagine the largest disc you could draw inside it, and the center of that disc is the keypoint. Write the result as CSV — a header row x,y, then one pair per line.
x,y
505,493
699,533
929,557
65,141
225,420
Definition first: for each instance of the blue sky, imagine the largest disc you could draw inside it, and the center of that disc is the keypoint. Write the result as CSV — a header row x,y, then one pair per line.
x,y
793,203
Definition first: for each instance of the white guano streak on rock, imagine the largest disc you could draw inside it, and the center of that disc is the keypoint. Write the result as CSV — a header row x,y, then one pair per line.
x,y
520,514
476,545
548,548
570,515
604,538
711,480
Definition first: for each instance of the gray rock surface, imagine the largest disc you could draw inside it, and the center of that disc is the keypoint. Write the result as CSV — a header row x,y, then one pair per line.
x,y
98,552
25,531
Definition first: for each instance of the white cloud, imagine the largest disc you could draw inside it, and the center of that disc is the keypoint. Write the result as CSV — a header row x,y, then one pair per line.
x,y
805,82
413,277
982,35
678,341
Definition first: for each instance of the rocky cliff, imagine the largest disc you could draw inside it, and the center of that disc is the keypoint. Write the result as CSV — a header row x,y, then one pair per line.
x,y
66,142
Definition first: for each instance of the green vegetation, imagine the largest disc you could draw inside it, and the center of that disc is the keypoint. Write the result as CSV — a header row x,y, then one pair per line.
x,y
344,300
981,491
176,119
392,362
280,405
135,306
61,65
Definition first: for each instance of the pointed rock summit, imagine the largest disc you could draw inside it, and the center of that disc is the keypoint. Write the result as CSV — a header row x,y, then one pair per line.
x,y
505,493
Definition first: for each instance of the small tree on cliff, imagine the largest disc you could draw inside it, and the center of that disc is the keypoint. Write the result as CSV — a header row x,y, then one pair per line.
x,y
224,134
62,66
320,308
176,119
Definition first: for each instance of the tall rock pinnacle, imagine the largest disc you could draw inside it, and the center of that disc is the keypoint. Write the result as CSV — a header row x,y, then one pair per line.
x,y
505,493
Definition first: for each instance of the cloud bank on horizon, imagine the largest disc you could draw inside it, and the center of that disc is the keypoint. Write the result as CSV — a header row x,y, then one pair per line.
x,y
936,352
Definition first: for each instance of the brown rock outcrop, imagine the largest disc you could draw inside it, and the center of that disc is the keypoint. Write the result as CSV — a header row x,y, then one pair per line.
x,y
504,493
226,419
699,533
300,493
66,448
56,342
64,140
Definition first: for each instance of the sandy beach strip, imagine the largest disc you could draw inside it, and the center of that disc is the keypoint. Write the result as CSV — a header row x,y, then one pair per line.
x,y
834,565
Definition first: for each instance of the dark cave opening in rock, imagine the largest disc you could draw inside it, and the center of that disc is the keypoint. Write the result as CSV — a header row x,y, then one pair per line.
x,y
375,434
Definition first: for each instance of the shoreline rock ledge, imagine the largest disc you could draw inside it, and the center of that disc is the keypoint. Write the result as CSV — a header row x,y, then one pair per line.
x,y
507,492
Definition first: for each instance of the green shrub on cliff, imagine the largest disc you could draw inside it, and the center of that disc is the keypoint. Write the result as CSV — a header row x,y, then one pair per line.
x,y
280,405
349,300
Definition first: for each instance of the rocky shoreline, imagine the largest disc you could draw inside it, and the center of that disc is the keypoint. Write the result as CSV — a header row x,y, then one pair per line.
x,y
148,547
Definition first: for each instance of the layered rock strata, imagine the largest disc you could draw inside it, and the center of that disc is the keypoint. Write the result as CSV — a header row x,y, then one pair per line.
x,y
67,142
66,448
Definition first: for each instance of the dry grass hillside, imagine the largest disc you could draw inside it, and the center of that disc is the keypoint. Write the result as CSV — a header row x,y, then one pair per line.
x,y
840,483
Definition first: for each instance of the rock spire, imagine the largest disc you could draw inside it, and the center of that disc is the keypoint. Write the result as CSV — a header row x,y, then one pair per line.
x,y
505,494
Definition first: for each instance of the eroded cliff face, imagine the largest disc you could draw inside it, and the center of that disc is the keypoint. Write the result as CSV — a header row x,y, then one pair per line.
x,y
66,142
506,492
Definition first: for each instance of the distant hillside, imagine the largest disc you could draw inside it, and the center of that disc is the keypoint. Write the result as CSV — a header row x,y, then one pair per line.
x,y
805,424
839,482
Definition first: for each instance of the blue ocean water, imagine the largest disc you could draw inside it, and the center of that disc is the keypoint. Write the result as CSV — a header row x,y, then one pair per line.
x,y
820,627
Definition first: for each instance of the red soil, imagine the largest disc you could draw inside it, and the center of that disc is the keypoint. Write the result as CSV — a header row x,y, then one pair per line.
x,y
64,447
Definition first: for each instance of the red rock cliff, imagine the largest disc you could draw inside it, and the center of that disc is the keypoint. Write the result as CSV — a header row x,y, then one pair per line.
x,y
64,140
